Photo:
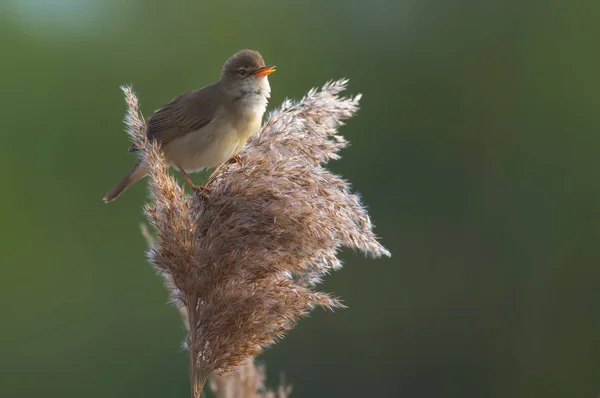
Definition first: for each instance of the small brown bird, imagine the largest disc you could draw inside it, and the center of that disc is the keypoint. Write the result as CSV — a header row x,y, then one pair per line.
x,y
206,127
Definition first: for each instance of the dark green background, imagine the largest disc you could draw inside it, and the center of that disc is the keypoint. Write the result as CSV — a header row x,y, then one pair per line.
x,y
476,151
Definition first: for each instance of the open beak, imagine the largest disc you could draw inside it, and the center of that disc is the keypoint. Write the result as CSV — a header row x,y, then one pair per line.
x,y
264,71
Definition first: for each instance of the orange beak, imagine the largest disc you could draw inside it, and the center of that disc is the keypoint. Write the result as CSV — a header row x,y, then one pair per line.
x,y
264,71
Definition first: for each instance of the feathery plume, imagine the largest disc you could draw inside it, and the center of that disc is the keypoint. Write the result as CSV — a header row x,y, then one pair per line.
x,y
242,262
247,381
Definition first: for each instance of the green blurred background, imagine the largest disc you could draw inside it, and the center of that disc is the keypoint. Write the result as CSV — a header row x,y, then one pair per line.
x,y
476,151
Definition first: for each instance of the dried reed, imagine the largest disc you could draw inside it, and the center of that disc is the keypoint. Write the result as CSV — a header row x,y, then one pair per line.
x,y
242,263
247,381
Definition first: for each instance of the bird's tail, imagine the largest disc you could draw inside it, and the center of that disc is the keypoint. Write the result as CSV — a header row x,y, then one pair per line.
x,y
137,173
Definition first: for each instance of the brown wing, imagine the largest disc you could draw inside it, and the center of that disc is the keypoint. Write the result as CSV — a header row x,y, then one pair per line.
x,y
186,113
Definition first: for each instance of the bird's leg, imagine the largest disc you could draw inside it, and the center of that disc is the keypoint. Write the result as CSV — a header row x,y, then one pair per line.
x,y
201,190
186,177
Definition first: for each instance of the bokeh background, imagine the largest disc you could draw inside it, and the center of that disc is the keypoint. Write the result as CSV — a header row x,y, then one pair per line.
x,y
476,151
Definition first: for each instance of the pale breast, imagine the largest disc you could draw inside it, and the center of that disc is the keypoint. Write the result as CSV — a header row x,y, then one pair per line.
x,y
247,124
213,144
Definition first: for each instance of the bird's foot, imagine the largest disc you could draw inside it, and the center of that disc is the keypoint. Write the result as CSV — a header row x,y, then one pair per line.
x,y
202,191
236,159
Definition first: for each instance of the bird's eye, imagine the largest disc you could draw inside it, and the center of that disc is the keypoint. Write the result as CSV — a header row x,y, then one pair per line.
x,y
243,72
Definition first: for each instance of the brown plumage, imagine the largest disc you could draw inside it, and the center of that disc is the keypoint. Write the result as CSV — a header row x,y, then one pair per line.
x,y
186,113
244,57
206,127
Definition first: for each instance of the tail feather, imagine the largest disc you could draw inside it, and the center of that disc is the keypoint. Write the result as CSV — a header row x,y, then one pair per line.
x,y
137,173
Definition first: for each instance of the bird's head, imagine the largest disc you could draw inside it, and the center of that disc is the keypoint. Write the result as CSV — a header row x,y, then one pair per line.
x,y
244,77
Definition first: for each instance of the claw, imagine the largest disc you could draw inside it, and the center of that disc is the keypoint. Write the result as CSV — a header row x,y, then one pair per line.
x,y
202,191
236,159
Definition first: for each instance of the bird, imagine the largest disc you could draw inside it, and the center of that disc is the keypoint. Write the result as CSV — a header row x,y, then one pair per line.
x,y
204,128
